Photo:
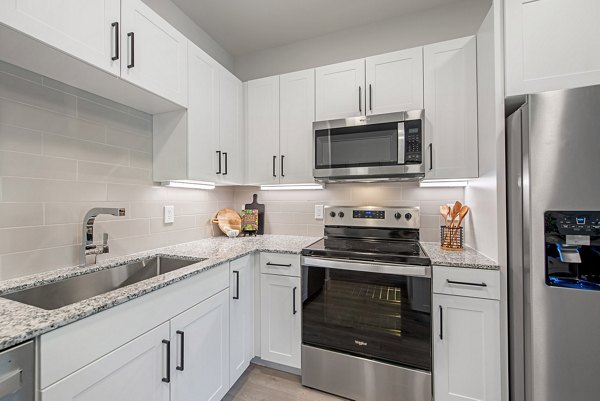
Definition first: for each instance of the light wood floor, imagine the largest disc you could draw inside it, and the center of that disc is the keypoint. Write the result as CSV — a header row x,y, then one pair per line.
x,y
263,384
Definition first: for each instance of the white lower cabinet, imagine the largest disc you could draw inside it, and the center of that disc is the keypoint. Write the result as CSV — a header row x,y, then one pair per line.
x,y
467,364
134,371
200,351
281,306
241,316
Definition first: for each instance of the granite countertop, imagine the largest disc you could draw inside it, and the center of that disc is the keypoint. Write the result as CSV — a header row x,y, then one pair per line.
x,y
20,322
467,258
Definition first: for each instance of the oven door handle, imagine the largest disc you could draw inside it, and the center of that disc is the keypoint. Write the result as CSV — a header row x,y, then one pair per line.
x,y
370,267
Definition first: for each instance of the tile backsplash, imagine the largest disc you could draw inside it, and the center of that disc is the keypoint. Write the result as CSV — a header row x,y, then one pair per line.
x,y
64,151
292,212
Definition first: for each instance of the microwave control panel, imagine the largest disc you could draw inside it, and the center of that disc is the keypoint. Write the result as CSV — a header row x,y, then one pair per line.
x,y
414,142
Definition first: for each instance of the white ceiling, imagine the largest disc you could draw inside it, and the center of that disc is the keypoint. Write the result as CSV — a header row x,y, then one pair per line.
x,y
244,26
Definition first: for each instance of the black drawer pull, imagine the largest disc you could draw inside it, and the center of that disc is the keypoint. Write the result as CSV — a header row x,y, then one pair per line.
x,y
225,156
168,378
274,160
219,157
279,264
441,323
116,26
466,283
181,349
282,157
237,284
294,300
131,50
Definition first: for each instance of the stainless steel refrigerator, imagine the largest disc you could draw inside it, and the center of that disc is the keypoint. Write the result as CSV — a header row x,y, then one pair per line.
x,y
553,178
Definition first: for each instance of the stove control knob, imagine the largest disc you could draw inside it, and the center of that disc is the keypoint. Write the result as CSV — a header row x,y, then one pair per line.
x,y
408,216
332,214
398,215
341,214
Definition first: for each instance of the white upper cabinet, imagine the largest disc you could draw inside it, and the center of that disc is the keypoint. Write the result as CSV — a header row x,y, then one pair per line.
x,y
340,90
297,113
203,115
88,30
262,130
154,54
551,44
395,81
450,94
231,120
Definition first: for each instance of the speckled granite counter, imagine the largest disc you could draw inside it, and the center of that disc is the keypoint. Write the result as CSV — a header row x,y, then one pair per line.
x,y
20,322
468,258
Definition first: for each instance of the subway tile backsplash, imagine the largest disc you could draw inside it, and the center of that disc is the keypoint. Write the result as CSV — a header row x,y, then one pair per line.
x,y
64,151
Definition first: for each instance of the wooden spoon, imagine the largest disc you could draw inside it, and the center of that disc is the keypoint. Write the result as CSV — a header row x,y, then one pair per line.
x,y
455,211
461,215
445,211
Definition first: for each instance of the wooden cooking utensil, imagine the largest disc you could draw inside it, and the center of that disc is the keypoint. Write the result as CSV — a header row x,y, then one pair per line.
x,y
454,212
445,211
461,215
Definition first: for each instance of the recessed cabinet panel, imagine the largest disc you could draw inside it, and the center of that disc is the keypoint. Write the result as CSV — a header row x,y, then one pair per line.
x,y
551,44
231,141
241,307
451,109
154,54
395,82
340,90
85,29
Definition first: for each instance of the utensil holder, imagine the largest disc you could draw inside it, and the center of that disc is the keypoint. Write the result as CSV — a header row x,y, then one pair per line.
x,y
451,238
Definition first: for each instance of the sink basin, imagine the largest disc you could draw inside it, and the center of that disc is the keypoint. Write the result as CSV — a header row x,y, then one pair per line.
x,y
75,289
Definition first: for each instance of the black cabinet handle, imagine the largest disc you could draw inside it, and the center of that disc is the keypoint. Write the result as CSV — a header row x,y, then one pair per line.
x,y
219,157
168,378
181,350
131,50
430,156
294,300
441,323
466,283
274,159
225,156
115,25
278,264
370,97
282,157
237,284
360,99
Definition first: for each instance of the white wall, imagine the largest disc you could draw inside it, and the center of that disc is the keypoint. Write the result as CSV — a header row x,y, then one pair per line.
x,y
438,24
64,151
173,14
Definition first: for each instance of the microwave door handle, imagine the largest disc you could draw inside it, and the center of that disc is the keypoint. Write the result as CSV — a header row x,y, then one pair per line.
x,y
401,143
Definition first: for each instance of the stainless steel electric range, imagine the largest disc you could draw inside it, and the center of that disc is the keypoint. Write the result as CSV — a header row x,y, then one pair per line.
x,y
366,306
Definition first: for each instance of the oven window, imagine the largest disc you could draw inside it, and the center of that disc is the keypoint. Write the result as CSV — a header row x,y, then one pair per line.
x,y
362,146
378,316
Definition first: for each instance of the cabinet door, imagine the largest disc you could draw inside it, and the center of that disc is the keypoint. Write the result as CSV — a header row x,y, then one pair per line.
x,y
231,105
297,113
395,81
262,125
83,29
451,109
551,44
241,318
466,349
154,54
340,90
200,351
203,115
280,319
134,371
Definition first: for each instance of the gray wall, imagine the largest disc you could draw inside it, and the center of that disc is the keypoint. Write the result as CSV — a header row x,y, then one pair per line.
x,y
173,14
435,25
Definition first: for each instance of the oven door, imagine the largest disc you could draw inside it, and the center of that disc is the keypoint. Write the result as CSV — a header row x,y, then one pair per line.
x,y
372,310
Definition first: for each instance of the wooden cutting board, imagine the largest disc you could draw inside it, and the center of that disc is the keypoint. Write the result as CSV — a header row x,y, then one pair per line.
x,y
261,213
228,219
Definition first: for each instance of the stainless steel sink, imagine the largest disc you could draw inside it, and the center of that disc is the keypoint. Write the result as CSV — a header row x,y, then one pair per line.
x,y
75,289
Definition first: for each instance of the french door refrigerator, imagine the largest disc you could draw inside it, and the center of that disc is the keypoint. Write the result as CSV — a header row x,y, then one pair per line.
x,y
553,178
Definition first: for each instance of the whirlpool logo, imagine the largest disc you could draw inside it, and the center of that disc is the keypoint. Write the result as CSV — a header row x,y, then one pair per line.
x,y
360,343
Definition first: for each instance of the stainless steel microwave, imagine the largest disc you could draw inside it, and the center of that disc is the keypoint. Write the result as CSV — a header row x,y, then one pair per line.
x,y
384,147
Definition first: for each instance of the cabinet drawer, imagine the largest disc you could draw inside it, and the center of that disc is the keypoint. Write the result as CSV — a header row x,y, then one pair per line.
x,y
466,282
280,263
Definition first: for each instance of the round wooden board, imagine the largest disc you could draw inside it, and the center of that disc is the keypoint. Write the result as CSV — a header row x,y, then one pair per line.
x,y
228,219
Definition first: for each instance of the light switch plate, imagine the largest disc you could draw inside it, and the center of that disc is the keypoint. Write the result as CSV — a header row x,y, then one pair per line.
x,y
169,214
318,212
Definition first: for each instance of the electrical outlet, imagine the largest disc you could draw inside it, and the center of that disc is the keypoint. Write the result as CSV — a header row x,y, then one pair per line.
x,y
169,214
318,212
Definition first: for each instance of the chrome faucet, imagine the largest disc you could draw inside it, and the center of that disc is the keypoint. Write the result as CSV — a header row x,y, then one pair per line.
x,y
88,248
